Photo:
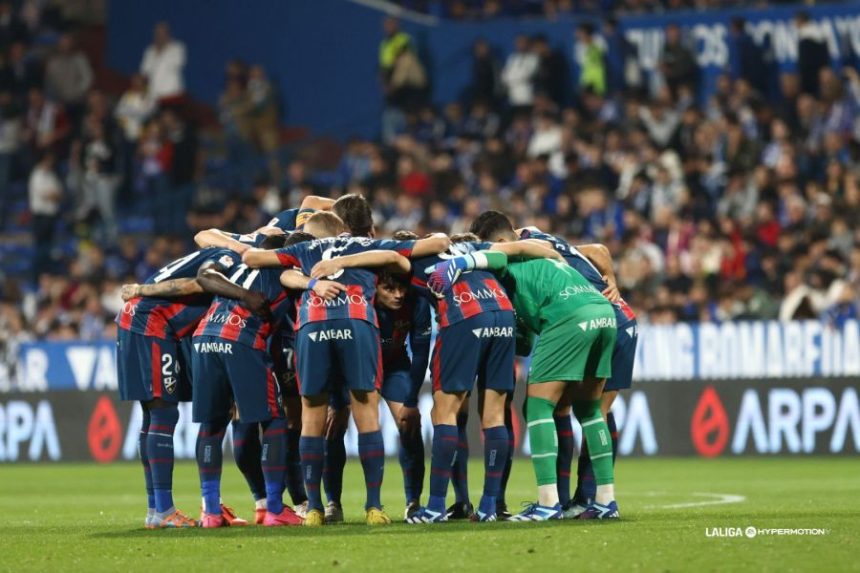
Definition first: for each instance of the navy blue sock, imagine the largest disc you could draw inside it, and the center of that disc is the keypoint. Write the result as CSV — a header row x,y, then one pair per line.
x,y
586,488
247,451
564,429
495,458
371,451
294,481
509,462
144,459
441,459
274,462
335,461
460,468
312,450
613,434
411,456
210,460
159,450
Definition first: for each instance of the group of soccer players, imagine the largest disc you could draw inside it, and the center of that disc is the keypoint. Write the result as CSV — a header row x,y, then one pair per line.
x,y
285,332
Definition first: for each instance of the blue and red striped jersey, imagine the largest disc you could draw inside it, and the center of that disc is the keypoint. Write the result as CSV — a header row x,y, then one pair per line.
x,y
574,258
475,292
226,318
412,321
358,300
176,317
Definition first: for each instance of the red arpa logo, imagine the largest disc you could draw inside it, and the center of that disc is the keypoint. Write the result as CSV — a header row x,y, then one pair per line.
x,y
104,434
709,427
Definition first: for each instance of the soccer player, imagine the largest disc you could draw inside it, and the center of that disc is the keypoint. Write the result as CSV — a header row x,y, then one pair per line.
x,y
155,317
594,263
231,364
475,340
340,337
576,325
404,314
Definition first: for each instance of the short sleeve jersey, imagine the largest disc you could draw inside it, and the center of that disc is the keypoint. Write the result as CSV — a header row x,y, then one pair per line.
x,y
174,317
475,292
358,300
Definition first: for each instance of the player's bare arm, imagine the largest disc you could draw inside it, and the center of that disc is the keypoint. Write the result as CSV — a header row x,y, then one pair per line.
x,y
388,260
218,238
431,245
296,280
528,249
317,203
214,282
599,255
258,258
166,289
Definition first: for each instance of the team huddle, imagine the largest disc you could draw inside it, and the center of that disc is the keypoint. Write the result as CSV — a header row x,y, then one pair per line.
x,y
285,332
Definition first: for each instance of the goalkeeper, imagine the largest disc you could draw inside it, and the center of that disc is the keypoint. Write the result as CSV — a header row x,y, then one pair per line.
x,y
577,330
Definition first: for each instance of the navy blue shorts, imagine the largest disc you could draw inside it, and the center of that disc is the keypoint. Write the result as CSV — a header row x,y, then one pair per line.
x,y
148,368
397,386
481,347
343,347
226,372
184,365
623,357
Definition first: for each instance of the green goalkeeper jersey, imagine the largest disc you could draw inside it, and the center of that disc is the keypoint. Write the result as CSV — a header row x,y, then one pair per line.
x,y
544,292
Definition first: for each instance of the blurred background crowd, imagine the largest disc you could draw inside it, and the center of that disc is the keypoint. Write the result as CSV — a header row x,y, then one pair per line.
x,y
738,203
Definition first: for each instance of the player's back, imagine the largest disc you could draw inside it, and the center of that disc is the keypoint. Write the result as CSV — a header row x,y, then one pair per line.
x,y
546,291
166,317
584,267
226,317
476,292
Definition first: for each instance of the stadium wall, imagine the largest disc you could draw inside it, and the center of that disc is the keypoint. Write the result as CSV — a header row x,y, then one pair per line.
x,y
757,388
323,54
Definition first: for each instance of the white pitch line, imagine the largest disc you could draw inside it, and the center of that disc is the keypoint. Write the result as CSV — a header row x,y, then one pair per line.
x,y
720,499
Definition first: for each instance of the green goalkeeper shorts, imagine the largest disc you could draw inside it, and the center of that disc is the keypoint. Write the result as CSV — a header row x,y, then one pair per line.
x,y
577,347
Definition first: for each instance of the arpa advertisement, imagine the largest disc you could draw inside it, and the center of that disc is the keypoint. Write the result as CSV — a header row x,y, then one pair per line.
x,y
667,418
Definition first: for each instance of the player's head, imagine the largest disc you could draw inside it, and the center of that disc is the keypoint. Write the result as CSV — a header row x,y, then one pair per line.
x,y
274,242
297,237
324,224
391,290
404,235
355,212
494,226
465,238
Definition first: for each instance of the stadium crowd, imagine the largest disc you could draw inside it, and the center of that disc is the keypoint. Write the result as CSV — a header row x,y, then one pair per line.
x,y
741,204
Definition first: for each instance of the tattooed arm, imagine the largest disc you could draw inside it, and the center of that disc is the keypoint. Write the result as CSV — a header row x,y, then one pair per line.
x,y
168,289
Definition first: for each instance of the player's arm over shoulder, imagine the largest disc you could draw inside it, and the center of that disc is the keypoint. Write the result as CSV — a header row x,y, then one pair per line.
x,y
166,289
431,245
528,249
259,258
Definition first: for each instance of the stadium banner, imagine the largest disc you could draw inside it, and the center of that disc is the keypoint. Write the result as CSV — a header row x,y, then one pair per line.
x,y
798,416
347,98
729,350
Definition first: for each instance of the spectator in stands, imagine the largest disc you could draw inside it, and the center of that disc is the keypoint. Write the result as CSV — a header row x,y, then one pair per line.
x,y
812,52
746,59
12,29
163,65
485,73
518,76
677,62
10,129
46,195
23,73
551,78
590,54
234,112
184,167
133,109
68,77
46,126
622,65
156,157
264,117
94,162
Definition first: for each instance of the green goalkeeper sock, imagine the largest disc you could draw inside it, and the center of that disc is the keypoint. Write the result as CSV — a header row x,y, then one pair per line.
x,y
543,439
597,437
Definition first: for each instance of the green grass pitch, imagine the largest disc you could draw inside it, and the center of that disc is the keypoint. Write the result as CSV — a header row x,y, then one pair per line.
x,y
89,518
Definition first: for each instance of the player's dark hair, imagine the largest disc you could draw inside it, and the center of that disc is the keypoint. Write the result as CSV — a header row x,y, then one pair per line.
x,y
330,223
389,279
274,242
404,235
355,212
297,237
465,238
490,225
